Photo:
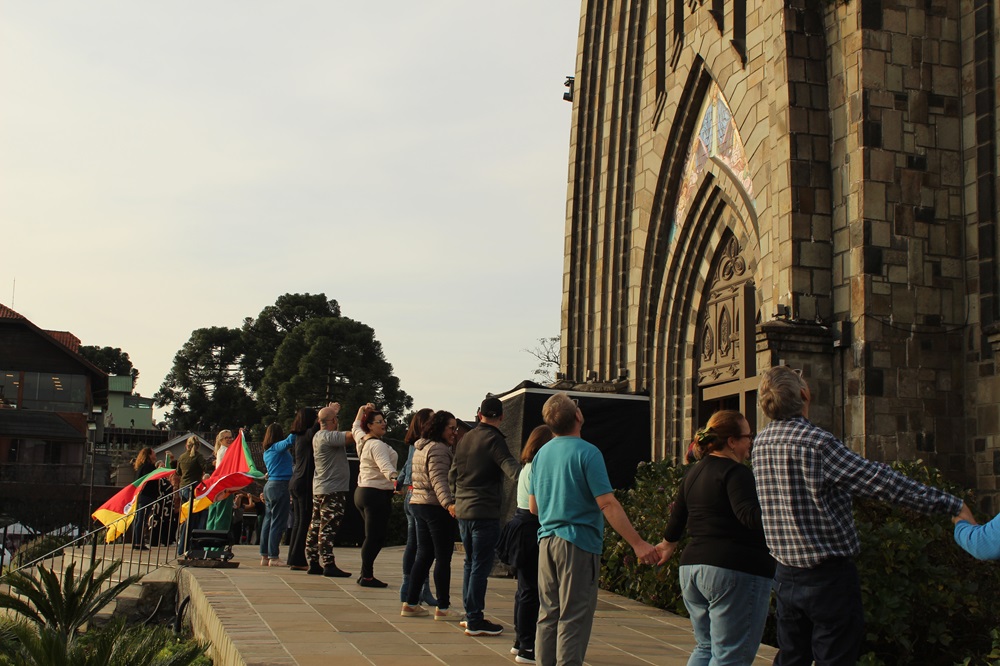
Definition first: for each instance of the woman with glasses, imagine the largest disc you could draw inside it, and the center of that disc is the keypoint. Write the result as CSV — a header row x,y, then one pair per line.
x,y
220,513
376,483
726,572
433,507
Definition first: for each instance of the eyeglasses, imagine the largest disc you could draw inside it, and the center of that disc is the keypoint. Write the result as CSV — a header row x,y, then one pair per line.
x,y
378,422
454,427
333,420
750,435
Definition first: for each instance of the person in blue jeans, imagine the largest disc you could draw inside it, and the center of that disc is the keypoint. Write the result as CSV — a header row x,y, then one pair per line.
x,y
482,459
726,572
278,461
404,484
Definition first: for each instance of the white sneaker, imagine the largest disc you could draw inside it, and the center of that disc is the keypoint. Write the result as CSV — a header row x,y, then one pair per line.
x,y
413,611
446,615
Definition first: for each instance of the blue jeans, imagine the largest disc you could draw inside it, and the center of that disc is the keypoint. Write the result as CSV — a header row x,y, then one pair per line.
x,y
410,552
275,517
819,614
479,538
728,609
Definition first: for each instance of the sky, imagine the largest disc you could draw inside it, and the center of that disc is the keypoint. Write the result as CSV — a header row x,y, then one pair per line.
x,y
172,166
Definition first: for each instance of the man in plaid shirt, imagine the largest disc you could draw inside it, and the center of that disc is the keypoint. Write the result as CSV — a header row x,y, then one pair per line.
x,y
805,480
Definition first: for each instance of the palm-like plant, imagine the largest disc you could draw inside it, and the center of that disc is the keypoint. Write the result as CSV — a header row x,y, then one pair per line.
x,y
63,608
52,613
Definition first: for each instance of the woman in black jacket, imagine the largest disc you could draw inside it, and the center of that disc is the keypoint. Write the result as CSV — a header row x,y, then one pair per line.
x,y
300,486
726,571
145,463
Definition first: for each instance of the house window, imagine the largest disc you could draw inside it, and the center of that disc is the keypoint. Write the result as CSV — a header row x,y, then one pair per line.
x,y
54,392
9,382
135,402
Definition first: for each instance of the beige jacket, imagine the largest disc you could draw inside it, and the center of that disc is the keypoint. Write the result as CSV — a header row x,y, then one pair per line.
x,y
429,473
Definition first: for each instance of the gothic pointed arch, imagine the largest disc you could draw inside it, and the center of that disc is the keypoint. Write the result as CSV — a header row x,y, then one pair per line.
x,y
708,199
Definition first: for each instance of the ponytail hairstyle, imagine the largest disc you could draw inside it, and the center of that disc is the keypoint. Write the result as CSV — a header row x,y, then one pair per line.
x,y
715,435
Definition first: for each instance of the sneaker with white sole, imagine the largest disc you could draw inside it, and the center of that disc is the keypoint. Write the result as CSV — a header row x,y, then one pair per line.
x,y
525,657
413,611
446,615
483,628
514,650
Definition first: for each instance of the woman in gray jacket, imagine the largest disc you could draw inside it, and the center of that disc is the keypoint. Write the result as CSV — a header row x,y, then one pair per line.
x,y
433,508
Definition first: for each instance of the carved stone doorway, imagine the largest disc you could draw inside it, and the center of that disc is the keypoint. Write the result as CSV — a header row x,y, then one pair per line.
x,y
727,372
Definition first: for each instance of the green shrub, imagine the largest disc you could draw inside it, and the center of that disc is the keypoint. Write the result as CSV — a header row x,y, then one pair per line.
x,y
926,601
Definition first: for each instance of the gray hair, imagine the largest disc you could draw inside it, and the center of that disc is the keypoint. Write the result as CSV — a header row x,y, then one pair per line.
x,y
780,393
559,414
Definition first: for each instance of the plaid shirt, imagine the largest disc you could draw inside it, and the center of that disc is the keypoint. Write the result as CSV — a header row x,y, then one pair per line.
x,y
805,480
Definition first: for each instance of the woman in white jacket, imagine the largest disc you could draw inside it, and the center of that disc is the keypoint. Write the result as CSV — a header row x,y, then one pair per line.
x,y
376,482
433,506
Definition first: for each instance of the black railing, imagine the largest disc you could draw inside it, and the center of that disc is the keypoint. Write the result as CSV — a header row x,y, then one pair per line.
x,y
153,547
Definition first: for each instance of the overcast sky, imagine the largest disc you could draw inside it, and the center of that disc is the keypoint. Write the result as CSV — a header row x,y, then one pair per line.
x,y
167,166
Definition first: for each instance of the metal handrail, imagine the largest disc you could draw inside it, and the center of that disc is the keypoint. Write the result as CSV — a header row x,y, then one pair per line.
x,y
143,559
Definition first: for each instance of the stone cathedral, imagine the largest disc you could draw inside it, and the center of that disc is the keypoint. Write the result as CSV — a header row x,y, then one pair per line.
x,y
807,182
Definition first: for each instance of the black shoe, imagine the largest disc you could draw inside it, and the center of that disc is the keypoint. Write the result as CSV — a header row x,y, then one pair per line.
x,y
315,569
525,657
333,571
482,628
371,582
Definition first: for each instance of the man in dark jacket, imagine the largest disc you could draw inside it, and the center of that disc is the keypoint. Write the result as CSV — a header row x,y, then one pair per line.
x,y
476,479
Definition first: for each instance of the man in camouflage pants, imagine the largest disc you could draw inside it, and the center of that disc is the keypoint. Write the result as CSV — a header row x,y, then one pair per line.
x,y
330,488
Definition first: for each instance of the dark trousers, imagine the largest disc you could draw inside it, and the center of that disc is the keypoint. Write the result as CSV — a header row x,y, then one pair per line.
x,y
526,599
479,538
375,506
435,543
301,517
819,614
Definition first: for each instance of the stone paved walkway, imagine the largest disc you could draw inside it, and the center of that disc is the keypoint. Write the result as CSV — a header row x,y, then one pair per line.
x,y
263,615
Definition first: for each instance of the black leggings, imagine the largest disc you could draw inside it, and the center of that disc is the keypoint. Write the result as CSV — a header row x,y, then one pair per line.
x,y
435,543
375,506
301,516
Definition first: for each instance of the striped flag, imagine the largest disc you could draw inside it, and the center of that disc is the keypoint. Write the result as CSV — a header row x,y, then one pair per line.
x,y
117,513
234,472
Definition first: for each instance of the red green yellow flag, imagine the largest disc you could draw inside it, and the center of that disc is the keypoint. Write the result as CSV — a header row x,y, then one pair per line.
x,y
117,513
236,471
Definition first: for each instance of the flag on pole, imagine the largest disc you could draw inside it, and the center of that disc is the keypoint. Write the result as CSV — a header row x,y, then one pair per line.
x,y
117,513
236,471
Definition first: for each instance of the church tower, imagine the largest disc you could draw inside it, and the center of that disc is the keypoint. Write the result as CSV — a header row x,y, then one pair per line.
x,y
803,182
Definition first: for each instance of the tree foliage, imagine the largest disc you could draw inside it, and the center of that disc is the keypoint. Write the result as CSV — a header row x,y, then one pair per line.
x,y
111,360
205,386
263,336
332,358
298,352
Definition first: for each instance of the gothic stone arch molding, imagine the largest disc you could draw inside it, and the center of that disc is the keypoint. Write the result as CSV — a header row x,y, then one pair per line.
x,y
675,282
674,354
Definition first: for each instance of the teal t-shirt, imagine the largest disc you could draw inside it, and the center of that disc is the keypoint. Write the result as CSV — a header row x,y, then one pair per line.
x,y
566,475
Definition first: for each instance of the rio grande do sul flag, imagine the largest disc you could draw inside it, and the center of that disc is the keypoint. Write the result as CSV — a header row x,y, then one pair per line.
x,y
234,472
117,513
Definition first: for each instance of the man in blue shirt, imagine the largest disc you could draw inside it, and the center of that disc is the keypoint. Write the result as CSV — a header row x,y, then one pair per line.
x,y
571,493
